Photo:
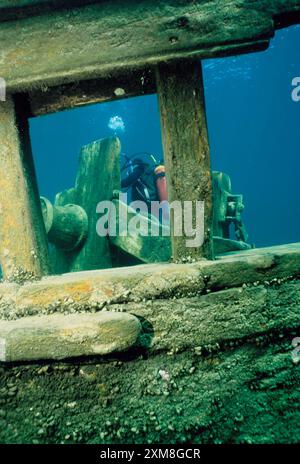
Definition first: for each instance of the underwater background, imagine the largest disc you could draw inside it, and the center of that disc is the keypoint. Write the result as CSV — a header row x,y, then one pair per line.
x,y
253,128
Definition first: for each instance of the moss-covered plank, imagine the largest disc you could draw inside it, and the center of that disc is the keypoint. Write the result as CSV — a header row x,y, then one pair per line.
x,y
143,246
96,40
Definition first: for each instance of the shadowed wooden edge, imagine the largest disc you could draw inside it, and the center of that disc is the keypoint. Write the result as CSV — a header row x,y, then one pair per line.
x,y
64,97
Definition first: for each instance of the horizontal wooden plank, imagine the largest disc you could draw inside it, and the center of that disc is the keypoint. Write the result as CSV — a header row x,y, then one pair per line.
x,y
89,290
216,320
60,337
109,37
220,319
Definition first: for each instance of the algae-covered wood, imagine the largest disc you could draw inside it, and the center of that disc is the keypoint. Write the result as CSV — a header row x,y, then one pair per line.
x,y
98,176
147,247
98,39
246,394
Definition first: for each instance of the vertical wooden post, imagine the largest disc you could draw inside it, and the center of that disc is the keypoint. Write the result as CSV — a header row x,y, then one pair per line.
x,y
97,177
186,150
23,241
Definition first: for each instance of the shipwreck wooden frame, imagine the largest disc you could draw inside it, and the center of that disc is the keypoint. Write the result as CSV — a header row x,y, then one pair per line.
x,y
61,54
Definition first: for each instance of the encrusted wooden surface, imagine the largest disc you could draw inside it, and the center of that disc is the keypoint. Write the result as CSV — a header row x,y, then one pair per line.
x,y
23,242
184,391
199,362
94,290
58,336
186,154
98,39
97,177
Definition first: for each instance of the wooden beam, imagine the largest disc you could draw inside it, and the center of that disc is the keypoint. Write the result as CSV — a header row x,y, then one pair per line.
x,y
98,176
186,149
59,337
170,301
85,291
97,40
68,96
23,242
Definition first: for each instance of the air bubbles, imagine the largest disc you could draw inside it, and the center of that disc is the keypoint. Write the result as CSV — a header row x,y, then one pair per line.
x,y
116,124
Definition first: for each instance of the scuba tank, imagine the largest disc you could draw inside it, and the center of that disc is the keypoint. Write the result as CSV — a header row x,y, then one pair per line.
x,y
161,182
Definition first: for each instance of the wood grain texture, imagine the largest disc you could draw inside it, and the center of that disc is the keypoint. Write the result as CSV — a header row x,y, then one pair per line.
x,y
98,176
186,149
99,39
23,242
85,291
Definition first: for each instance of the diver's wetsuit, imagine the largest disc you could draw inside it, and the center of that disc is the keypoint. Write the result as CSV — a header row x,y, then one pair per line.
x,y
142,181
133,177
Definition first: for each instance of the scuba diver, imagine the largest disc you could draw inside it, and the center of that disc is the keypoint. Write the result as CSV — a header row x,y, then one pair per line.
x,y
145,179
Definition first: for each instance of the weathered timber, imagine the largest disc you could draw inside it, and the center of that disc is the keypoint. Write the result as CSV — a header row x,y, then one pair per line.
x,y
226,245
149,248
97,178
145,246
83,291
237,314
218,318
53,99
186,149
23,242
59,337
95,40
60,259
66,226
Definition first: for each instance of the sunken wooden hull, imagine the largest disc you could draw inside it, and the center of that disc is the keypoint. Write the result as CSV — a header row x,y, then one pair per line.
x,y
202,352
208,366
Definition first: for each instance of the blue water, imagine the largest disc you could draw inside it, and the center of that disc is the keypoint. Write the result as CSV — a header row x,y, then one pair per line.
x,y
253,130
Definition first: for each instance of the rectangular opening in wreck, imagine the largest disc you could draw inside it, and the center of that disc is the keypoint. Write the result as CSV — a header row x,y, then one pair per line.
x,y
120,162
178,82
253,128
